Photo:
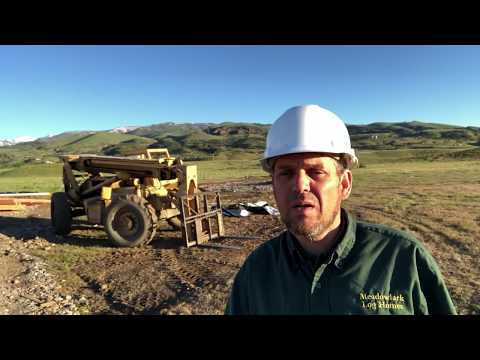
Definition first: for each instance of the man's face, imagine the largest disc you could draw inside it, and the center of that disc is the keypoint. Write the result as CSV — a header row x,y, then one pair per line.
x,y
309,192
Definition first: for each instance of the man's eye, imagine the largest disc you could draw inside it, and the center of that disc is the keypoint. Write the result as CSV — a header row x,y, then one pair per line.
x,y
317,173
284,173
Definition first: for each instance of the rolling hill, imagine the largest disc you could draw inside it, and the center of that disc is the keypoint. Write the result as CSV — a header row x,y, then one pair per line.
x,y
198,141
415,134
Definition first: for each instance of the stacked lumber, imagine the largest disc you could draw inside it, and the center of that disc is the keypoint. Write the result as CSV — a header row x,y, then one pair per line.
x,y
17,201
10,205
33,201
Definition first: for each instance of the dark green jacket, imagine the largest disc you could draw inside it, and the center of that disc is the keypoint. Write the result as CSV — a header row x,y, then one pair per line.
x,y
373,270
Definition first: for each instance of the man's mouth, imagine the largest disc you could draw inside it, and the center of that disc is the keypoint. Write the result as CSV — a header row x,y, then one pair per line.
x,y
303,205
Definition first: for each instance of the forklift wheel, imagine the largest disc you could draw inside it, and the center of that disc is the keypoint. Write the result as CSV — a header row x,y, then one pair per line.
x,y
60,213
130,222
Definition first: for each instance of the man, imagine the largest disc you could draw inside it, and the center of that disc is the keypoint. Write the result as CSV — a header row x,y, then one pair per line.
x,y
327,262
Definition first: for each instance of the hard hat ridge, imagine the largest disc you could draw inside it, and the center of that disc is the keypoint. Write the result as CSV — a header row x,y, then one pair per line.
x,y
307,128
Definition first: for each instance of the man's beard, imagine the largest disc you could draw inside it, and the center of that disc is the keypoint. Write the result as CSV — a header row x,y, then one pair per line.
x,y
312,231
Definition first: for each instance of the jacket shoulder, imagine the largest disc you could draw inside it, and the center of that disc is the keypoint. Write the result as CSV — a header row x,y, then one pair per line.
x,y
386,233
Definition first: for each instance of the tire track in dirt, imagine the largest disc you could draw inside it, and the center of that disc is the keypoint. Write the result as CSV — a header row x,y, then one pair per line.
x,y
200,277
160,281
179,278
103,278
196,271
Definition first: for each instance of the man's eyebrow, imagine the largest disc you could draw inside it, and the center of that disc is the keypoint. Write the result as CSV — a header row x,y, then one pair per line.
x,y
315,166
294,166
285,166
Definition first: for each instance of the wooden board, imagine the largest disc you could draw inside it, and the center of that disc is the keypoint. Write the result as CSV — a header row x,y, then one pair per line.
x,y
33,201
17,201
7,202
11,207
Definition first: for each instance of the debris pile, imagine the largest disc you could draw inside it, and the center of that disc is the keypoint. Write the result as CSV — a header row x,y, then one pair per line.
x,y
246,209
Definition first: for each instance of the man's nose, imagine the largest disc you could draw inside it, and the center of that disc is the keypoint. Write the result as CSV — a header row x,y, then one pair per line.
x,y
302,182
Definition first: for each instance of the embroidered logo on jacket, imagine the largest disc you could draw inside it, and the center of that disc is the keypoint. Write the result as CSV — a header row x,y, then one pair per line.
x,y
379,301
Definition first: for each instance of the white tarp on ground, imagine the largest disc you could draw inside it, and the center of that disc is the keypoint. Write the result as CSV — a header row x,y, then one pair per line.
x,y
246,209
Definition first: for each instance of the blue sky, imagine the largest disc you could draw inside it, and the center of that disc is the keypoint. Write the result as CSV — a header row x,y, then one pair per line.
x,y
51,89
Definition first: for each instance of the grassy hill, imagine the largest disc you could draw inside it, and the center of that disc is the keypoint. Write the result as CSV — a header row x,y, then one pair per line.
x,y
202,141
47,149
373,157
415,134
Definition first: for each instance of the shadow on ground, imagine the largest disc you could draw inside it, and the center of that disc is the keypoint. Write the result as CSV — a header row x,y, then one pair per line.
x,y
83,234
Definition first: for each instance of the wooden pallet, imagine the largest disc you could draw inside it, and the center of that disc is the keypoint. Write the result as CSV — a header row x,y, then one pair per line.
x,y
197,227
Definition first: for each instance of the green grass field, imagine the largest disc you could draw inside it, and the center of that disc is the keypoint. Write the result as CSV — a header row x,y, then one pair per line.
x,y
387,168
31,178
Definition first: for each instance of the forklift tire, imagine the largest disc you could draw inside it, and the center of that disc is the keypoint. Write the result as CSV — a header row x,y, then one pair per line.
x,y
175,222
60,213
130,221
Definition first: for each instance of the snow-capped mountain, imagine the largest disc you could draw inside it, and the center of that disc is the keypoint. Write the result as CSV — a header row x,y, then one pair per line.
x,y
6,142
17,140
124,129
22,139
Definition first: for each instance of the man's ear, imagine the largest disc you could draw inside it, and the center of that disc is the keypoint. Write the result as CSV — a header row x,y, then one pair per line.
x,y
346,182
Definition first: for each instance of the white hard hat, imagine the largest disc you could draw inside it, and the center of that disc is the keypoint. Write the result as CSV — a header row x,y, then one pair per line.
x,y
307,128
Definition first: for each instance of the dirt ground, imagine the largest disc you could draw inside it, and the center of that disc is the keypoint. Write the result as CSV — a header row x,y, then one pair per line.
x,y
43,273
163,277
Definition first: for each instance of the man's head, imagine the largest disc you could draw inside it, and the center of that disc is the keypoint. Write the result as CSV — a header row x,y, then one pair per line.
x,y
309,156
309,189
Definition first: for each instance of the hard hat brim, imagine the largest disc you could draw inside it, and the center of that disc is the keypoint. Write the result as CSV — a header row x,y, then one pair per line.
x,y
269,163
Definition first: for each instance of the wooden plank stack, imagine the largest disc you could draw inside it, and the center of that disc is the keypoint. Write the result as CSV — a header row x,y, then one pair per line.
x,y
18,201
7,204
